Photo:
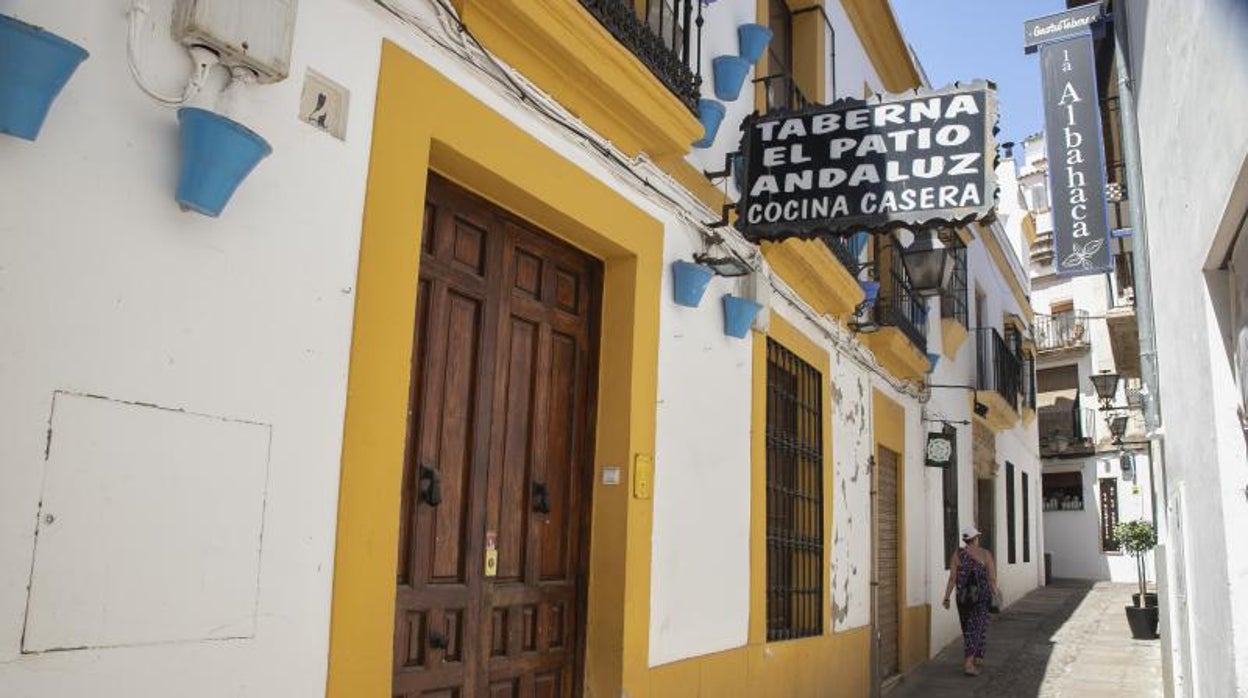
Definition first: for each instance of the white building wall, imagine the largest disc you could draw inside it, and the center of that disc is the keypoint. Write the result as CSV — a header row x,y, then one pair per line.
x,y
107,289
1190,68
1016,445
1074,536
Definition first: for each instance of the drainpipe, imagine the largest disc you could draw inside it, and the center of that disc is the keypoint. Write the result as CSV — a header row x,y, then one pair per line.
x,y
1143,311
1139,225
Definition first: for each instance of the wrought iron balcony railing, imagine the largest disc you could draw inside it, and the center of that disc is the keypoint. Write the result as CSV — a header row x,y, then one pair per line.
x,y
1069,330
898,305
782,92
996,367
666,35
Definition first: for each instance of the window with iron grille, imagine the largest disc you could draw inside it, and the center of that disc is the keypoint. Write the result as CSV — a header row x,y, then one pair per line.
x,y
949,495
1026,520
794,496
1009,512
953,300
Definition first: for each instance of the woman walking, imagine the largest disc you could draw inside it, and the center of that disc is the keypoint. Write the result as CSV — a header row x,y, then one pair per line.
x,y
973,572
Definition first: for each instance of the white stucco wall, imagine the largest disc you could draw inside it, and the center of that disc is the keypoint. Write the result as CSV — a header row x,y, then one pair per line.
x,y
1074,536
1017,445
1190,68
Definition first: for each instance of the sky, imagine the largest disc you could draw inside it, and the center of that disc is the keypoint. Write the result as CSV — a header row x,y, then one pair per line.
x,y
961,40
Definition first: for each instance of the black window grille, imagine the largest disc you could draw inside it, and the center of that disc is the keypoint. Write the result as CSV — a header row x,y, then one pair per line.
x,y
953,301
949,495
1026,520
1010,544
794,496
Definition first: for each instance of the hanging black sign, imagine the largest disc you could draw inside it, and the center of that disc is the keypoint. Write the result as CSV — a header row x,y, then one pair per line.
x,y
920,159
1072,120
942,448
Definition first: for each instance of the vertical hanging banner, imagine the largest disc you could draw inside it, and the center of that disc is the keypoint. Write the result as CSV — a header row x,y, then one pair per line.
x,y
1072,122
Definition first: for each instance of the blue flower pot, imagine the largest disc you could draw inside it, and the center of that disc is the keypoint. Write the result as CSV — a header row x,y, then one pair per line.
x,y
739,314
711,114
689,282
730,72
870,291
217,154
752,40
34,66
932,360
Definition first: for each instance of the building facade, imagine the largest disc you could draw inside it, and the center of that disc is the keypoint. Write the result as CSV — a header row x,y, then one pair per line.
x,y
1093,478
1193,196
419,413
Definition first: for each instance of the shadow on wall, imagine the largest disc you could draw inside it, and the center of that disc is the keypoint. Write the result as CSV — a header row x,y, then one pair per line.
x,y
1019,648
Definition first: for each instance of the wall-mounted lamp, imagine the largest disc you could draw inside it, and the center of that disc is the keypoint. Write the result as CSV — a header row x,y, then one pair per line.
x,y
1118,427
729,266
1106,385
928,261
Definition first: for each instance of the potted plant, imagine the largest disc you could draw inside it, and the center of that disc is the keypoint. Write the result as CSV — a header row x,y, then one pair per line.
x,y
1137,538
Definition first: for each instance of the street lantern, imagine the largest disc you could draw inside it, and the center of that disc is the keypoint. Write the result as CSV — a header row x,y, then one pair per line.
x,y
928,262
1106,384
1118,427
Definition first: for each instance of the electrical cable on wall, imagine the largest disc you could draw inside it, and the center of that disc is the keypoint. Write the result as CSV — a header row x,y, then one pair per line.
x,y
202,60
464,45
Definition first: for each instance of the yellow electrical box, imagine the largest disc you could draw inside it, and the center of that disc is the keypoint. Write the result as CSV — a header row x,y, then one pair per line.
x,y
643,476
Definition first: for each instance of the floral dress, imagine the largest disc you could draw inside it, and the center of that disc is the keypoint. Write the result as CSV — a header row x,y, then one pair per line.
x,y
973,582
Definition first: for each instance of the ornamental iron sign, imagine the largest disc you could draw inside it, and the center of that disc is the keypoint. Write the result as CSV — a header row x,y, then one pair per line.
x,y
942,448
921,159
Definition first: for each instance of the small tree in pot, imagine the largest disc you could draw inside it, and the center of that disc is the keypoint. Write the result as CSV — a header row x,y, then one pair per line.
x,y
1137,538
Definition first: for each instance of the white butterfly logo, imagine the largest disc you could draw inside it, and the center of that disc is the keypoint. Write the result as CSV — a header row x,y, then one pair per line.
x,y
1081,257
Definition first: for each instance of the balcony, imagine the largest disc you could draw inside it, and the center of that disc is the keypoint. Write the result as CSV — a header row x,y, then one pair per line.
x,y
899,306
998,379
782,92
1124,333
629,69
1062,332
1067,430
666,35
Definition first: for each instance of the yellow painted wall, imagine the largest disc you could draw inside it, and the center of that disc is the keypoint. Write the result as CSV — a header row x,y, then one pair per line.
x,y
914,633
831,664
423,122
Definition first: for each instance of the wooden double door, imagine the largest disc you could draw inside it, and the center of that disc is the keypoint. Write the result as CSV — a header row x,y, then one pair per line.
x,y
494,524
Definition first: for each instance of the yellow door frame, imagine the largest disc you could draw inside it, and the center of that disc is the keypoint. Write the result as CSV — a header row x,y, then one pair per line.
x,y
425,122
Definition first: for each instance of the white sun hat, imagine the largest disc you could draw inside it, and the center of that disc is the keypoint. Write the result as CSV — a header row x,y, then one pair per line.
x,y
969,532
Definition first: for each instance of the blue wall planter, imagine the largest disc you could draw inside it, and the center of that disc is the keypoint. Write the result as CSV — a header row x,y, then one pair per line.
x,y
711,114
739,314
217,154
730,72
871,291
932,359
752,40
34,66
689,282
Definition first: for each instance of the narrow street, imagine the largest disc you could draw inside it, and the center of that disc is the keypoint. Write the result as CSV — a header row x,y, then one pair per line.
x,y
1067,639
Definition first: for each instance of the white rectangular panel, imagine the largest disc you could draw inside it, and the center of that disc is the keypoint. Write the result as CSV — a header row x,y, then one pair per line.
x,y
149,527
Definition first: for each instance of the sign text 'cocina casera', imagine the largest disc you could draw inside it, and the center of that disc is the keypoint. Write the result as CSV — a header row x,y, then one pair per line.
x,y
919,159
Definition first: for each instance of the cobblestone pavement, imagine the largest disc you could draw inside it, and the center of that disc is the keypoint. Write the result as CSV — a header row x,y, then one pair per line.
x,y
1064,640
